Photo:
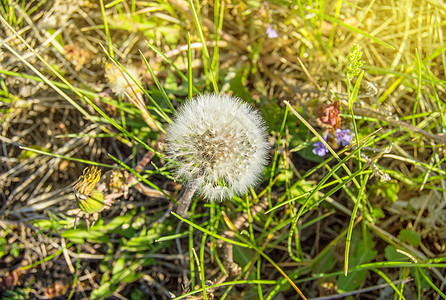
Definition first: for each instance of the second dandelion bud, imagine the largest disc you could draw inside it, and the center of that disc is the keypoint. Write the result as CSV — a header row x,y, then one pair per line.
x,y
218,145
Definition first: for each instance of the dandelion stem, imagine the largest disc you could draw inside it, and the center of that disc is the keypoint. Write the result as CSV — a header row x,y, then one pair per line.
x,y
187,196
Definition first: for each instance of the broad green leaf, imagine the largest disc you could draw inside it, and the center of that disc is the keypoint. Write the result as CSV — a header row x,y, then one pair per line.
x,y
238,83
242,256
410,237
392,255
378,212
119,265
80,234
2,246
324,263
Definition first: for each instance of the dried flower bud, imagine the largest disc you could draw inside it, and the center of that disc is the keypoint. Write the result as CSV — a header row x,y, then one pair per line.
x,y
89,200
218,145
328,115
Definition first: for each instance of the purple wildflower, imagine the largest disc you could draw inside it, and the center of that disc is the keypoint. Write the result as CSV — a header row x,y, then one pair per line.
x,y
271,32
320,149
344,136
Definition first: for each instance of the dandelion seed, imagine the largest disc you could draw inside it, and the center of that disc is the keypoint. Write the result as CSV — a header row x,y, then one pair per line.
x,y
344,136
271,32
219,147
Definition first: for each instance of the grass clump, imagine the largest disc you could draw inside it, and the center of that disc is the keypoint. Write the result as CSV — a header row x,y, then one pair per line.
x,y
350,203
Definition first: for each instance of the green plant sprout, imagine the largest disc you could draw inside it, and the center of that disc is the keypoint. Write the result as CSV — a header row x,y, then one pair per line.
x,y
354,62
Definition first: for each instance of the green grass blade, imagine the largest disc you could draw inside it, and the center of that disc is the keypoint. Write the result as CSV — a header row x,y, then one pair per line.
x,y
189,68
120,128
423,274
84,161
171,63
141,177
354,29
206,56
191,246
200,264
107,31
276,155
158,84
352,221
211,233
387,279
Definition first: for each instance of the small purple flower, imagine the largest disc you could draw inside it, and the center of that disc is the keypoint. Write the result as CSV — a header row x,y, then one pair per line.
x,y
320,149
344,136
271,32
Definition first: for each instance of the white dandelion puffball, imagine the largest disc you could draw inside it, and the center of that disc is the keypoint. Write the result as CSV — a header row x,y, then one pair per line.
x,y
119,82
219,142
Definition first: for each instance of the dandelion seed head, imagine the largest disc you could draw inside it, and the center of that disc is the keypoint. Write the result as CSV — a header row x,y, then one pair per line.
x,y
221,140
120,82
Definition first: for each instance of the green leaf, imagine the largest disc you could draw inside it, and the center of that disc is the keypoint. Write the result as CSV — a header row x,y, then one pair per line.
x,y
79,235
411,237
119,265
137,294
15,250
237,83
324,263
242,256
378,212
390,190
105,289
392,255
2,246
171,87
387,189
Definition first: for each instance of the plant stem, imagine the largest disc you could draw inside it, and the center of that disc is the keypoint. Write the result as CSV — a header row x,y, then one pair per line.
x,y
187,196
